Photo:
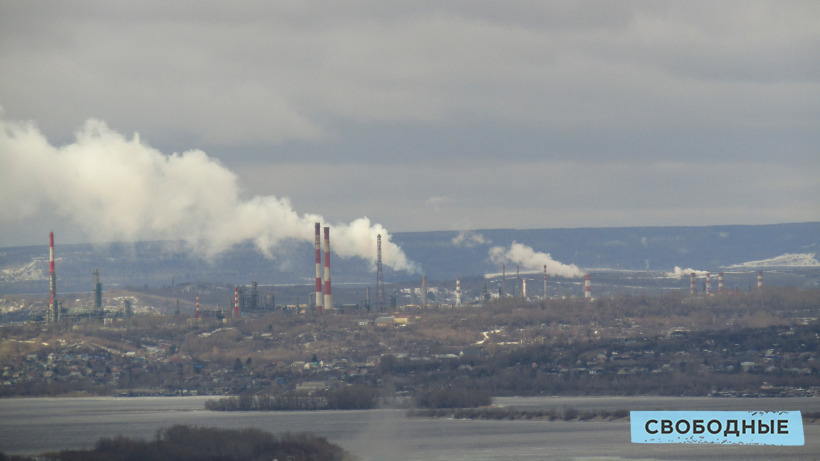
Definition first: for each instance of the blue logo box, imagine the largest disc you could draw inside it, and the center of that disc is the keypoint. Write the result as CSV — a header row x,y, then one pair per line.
x,y
717,427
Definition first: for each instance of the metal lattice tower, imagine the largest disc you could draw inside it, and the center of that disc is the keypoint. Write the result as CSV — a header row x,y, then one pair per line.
x,y
379,273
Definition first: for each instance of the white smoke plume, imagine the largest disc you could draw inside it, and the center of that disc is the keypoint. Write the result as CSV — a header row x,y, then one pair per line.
x,y
469,239
679,273
119,189
530,259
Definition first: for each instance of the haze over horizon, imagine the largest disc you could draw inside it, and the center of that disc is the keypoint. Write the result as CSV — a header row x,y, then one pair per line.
x,y
219,124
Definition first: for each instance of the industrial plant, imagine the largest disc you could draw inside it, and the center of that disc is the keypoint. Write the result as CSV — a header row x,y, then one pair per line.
x,y
251,299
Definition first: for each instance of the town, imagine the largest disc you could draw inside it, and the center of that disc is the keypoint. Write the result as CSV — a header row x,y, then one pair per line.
x,y
742,344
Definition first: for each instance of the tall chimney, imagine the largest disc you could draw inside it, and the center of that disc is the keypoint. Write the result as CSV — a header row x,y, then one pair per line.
x,y
708,284
692,282
524,288
720,282
319,297
98,308
503,281
197,306
545,281
587,288
759,280
53,304
328,298
379,272
517,291
458,292
236,302
424,290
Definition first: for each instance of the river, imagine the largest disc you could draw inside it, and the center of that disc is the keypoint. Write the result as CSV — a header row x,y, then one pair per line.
x,y
30,426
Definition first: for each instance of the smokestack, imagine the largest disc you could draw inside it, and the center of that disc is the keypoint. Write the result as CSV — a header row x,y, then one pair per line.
x,y
587,288
379,272
708,284
503,281
53,305
98,309
424,290
458,292
197,306
720,282
319,297
236,302
692,288
517,291
759,280
328,297
524,288
545,281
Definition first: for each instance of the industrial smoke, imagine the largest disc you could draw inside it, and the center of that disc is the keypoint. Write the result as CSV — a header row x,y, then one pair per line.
x,y
532,260
120,189
678,273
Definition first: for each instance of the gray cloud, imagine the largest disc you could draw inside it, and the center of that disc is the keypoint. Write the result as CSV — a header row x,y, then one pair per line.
x,y
527,115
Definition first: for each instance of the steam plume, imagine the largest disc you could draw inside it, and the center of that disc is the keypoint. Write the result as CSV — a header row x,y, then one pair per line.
x,y
679,273
530,259
469,239
119,189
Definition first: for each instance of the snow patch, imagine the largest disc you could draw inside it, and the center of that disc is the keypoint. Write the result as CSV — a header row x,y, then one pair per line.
x,y
31,271
786,260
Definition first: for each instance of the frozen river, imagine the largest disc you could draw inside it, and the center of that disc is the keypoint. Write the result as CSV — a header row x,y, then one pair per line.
x,y
30,426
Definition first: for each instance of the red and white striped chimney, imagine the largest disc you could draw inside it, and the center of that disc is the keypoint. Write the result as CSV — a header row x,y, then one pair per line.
x,y
720,282
236,302
319,296
53,308
759,280
708,284
587,287
197,306
328,298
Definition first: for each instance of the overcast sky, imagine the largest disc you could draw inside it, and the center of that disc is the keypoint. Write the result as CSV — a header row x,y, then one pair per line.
x,y
417,115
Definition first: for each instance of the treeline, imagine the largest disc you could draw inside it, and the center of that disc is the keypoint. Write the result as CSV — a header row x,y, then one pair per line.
x,y
343,398
208,444
495,413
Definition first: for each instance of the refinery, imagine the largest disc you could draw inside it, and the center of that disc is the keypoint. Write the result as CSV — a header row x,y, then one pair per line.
x,y
231,301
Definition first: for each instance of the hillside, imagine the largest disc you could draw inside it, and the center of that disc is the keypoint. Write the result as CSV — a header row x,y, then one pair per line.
x,y
442,255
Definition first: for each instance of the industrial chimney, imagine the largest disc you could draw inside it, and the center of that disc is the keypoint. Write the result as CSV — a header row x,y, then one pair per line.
x,y
328,298
692,282
197,306
503,292
759,280
98,309
424,290
236,302
720,282
708,284
545,281
517,291
587,288
379,273
319,297
53,304
458,292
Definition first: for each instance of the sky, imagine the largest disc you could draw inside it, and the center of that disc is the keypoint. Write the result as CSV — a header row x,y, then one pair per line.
x,y
218,122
